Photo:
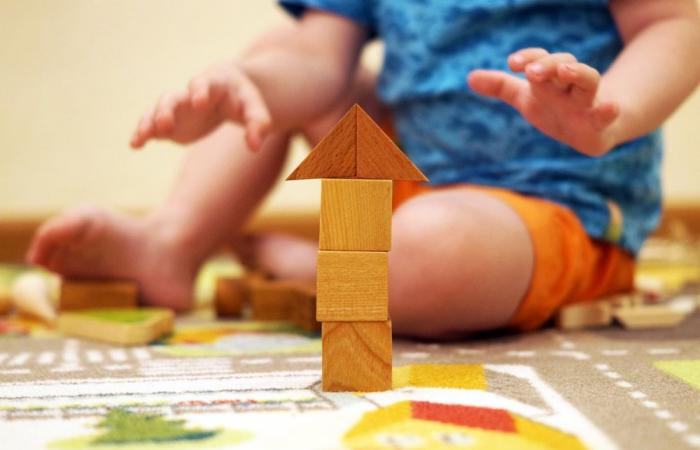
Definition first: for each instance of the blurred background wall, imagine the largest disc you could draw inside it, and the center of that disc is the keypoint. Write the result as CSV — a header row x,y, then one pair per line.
x,y
77,74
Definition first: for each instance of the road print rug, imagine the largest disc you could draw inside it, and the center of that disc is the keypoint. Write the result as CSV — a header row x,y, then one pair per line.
x,y
247,385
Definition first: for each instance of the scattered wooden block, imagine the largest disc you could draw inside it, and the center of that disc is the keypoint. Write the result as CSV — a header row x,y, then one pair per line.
x,y
352,286
356,356
304,309
355,215
5,299
230,296
76,295
650,316
131,326
272,300
584,315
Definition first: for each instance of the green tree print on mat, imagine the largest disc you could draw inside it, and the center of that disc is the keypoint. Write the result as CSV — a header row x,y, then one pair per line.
x,y
124,427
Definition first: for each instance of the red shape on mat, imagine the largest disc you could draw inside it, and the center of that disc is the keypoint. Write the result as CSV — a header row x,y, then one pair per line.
x,y
468,416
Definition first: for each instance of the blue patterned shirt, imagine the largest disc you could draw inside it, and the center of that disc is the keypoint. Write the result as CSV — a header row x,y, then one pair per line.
x,y
454,135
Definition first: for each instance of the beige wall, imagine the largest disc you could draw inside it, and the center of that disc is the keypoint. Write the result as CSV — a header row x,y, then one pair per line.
x,y
76,75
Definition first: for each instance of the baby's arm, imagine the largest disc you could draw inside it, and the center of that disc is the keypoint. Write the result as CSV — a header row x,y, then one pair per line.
x,y
288,78
569,101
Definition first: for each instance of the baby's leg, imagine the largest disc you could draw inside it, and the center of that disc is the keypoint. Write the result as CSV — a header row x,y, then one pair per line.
x,y
220,184
461,261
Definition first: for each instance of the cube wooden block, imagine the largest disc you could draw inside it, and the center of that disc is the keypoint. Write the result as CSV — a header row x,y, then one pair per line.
x,y
352,286
355,215
356,356
230,296
650,316
76,295
584,315
272,300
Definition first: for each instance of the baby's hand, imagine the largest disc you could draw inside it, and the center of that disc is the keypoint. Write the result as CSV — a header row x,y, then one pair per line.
x,y
221,93
560,98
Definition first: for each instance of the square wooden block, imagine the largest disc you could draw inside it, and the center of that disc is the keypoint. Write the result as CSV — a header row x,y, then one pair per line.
x,y
230,296
352,286
131,326
77,295
355,215
272,300
356,356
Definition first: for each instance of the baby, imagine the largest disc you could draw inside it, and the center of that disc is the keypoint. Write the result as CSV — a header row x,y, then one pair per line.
x,y
544,165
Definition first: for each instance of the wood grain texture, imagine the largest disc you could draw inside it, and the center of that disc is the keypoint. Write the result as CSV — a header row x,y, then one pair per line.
x,y
355,215
584,315
356,356
377,155
352,286
78,294
334,156
230,296
88,324
649,316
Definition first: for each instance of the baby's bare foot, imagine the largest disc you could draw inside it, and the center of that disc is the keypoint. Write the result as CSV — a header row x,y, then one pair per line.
x,y
280,256
88,242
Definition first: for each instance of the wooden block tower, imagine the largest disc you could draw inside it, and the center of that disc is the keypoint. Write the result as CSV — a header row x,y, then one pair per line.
x,y
357,163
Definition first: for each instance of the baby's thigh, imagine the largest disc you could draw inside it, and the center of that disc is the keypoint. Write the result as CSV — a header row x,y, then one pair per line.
x,y
461,261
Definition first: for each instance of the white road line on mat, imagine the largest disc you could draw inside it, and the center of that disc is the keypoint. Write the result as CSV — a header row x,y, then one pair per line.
x,y
14,371
19,359
663,351
255,361
303,359
117,367
521,353
662,414
118,355
46,358
414,355
3,357
141,353
614,352
94,356
579,356
469,351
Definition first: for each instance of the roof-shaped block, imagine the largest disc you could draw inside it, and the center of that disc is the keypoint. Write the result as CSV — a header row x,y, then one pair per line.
x,y
357,148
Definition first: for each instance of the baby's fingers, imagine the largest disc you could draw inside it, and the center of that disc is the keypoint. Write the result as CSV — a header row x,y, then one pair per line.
x,y
583,79
545,68
254,113
604,114
166,110
519,60
145,130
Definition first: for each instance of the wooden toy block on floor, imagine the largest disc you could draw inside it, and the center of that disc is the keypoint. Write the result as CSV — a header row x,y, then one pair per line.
x,y
649,316
131,326
352,286
304,309
355,215
77,294
230,296
272,300
584,315
356,356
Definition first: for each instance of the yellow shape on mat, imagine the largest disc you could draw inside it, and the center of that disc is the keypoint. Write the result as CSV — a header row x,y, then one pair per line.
x,y
456,376
688,371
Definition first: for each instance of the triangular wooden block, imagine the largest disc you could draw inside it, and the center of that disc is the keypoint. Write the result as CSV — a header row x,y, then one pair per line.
x,y
357,148
377,155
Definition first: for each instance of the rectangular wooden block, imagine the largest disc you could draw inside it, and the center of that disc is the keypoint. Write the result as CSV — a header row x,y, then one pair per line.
x,y
356,356
230,296
584,315
131,326
355,215
77,295
650,316
352,286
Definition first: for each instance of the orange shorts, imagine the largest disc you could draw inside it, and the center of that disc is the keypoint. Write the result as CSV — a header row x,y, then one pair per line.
x,y
570,267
